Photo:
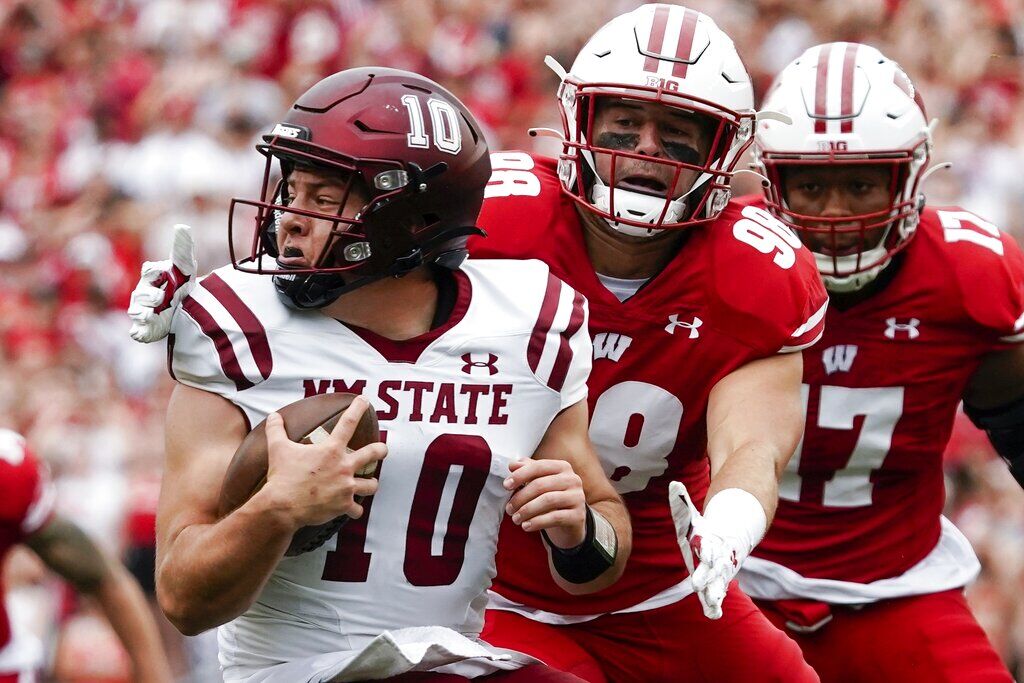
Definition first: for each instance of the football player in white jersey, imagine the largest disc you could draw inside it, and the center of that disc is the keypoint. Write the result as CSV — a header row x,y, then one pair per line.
x,y
357,281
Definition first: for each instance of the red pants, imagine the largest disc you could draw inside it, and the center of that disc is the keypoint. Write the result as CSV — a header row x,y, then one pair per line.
x,y
931,638
671,644
528,674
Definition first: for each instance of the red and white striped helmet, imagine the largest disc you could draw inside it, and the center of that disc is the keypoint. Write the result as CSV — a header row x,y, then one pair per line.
x,y
849,104
669,55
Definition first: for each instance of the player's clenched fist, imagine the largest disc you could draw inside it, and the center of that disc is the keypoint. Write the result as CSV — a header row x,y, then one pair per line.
x,y
315,483
548,497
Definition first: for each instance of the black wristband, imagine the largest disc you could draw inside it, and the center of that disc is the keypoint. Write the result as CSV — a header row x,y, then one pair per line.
x,y
591,558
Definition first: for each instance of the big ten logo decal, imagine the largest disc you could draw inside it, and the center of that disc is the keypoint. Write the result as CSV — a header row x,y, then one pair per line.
x,y
512,176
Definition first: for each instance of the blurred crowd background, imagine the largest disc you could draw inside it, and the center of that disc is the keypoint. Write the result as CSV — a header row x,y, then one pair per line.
x,y
119,118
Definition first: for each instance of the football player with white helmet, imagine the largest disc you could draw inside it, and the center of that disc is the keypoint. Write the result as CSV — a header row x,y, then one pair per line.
x,y
696,372
694,395
355,281
927,306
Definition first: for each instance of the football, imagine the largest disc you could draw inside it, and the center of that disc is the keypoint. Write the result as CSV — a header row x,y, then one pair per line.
x,y
305,421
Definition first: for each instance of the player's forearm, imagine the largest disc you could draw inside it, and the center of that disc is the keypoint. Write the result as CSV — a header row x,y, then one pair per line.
x,y
125,607
210,573
754,467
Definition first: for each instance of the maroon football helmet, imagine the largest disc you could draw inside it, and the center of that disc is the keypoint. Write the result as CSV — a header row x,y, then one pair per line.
x,y
409,144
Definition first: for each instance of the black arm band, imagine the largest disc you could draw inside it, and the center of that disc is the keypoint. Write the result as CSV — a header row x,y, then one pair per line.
x,y
591,558
1005,428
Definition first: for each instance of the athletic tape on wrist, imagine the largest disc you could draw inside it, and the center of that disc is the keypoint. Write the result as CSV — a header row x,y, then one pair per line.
x,y
736,513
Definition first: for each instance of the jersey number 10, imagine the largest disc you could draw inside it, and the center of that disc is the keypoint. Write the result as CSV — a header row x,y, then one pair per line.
x,y
444,121
350,561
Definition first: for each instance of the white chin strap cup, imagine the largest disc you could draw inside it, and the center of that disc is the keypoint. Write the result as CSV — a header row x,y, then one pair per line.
x,y
847,283
638,207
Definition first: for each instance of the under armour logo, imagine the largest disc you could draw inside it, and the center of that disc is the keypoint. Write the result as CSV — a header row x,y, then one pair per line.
x,y
471,365
910,327
839,358
673,323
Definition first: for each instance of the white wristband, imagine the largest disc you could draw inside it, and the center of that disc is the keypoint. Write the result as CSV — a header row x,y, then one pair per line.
x,y
736,513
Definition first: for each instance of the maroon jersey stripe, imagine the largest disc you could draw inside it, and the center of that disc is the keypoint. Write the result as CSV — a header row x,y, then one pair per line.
x,y
209,326
656,38
561,367
251,327
821,89
548,308
849,60
685,42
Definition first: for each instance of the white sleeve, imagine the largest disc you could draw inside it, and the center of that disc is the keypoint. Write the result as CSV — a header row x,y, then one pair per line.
x,y
216,343
560,352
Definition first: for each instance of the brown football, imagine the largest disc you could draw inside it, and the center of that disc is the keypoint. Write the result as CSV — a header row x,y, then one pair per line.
x,y
305,421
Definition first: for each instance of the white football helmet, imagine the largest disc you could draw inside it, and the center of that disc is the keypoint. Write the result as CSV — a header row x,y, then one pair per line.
x,y
668,55
849,104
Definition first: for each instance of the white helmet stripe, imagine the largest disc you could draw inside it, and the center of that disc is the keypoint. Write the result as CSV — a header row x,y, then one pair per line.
x,y
684,44
656,38
836,59
673,27
670,39
846,108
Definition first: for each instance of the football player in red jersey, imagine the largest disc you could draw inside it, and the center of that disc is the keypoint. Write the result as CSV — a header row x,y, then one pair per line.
x,y
927,305
27,516
699,308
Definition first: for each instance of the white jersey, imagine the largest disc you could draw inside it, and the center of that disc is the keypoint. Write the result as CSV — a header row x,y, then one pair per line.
x,y
456,406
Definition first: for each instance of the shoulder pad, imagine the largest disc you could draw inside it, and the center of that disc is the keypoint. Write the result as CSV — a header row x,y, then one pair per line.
x,y
522,202
765,282
987,264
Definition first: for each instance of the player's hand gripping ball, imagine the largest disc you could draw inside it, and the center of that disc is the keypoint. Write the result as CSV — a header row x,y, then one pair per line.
x,y
307,421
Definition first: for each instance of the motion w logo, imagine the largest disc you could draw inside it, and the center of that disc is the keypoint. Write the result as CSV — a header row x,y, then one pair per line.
x,y
839,358
610,345
471,365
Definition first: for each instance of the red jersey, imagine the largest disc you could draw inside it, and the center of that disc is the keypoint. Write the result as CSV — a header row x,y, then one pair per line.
x,y
26,504
862,497
739,289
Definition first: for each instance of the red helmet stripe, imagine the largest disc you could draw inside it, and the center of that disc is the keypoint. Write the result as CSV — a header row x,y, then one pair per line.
x,y
849,61
685,42
821,89
657,38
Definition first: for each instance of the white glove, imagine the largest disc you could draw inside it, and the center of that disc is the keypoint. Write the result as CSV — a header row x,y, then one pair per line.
x,y
714,545
161,287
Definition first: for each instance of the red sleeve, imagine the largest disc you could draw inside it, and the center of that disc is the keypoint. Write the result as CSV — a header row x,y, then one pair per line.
x,y
521,202
989,268
26,494
765,282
